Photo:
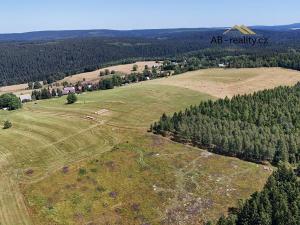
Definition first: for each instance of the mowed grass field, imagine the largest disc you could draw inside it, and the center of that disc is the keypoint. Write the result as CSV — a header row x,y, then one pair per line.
x,y
93,162
229,82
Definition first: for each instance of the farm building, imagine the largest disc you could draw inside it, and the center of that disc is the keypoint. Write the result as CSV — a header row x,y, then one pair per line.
x,y
68,90
25,98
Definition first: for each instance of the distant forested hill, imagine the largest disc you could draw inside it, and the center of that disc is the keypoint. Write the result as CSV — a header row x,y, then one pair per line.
x,y
25,61
40,60
149,33
69,34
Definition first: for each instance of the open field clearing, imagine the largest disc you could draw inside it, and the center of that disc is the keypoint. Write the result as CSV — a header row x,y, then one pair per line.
x,y
48,130
17,89
229,82
144,179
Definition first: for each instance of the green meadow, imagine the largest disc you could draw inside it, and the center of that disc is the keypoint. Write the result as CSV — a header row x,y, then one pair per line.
x,y
93,162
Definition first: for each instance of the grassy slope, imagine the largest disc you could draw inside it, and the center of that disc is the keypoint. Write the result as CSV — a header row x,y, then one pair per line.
x,y
145,180
48,135
229,82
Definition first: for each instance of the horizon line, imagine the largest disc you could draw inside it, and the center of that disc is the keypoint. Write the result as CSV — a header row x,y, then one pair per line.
x,y
138,29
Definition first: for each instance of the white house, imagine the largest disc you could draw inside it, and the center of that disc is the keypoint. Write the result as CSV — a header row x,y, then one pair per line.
x,y
25,98
68,90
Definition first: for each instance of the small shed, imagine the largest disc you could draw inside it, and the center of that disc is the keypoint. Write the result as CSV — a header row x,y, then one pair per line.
x,y
25,98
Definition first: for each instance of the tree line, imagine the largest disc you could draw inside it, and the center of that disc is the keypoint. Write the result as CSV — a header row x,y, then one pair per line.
x,y
289,60
264,126
278,203
241,59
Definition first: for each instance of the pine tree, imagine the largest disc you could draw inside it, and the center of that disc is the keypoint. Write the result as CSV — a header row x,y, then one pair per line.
x,y
72,98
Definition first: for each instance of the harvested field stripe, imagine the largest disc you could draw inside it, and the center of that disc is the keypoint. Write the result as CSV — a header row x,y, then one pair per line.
x,y
12,208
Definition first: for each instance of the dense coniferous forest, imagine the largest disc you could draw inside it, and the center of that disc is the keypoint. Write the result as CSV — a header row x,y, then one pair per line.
x,y
211,59
264,126
53,60
29,61
289,60
278,203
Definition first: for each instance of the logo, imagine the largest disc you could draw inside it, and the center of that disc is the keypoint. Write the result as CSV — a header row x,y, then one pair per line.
x,y
241,29
240,35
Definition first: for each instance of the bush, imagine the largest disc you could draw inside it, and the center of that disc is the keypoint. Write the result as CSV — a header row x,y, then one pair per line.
x,y
10,101
72,98
82,171
135,67
7,124
37,85
106,84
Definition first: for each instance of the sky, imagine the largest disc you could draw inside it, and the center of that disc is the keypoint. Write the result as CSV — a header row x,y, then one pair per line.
x,y
34,15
